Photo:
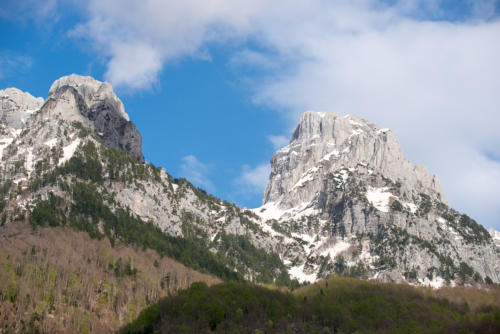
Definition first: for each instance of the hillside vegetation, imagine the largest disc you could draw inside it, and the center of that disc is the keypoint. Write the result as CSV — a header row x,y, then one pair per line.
x,y
337,305
60,280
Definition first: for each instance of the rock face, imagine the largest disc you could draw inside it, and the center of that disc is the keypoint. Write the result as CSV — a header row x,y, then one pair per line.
x,y
341,199
326,142
94,103
66,143
16,107
343,189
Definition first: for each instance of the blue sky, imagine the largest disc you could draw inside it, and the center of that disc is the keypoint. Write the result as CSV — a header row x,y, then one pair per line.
x,y
215,87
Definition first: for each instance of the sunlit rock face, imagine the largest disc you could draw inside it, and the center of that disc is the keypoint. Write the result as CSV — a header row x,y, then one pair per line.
x,y
16,107
94,103
323,143
343,188
341,198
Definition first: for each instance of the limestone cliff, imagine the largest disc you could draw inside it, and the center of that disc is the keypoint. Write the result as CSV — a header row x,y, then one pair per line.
x,y
343,188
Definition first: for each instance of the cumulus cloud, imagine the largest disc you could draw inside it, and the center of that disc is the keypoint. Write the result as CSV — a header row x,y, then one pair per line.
x,y
254,179
428,70
197,172
434,83
155,31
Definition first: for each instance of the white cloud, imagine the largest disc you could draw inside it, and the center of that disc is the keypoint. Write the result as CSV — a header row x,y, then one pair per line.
x,y
246,57
253,179
138,74
435,82
197,172
278,141
162,30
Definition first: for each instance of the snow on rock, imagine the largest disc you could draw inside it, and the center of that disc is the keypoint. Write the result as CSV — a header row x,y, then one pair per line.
x,y
306,177
411,206
272,210
441,220
379,198
269,211
436,282
329,155
29,161
4,143
68,151
51,142
298,273
495,235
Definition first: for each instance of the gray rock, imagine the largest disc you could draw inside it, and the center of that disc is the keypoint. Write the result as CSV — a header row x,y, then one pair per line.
x,y
16,107
343,189
95,104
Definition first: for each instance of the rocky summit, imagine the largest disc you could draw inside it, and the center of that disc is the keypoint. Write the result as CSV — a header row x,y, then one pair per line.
x,y
343,189
341,199
86,100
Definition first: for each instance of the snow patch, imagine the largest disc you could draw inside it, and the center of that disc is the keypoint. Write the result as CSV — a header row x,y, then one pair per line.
x,y
4,143
355,123
329,155
494,234
68,151
436,283
411,206
441,220
298,273
29,161
379,198
51,142
31,111
356,132
382,130
305,177
271,210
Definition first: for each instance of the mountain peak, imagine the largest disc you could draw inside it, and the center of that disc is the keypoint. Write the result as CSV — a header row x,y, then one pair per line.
x,y
95,105
91,90
344,190
326,142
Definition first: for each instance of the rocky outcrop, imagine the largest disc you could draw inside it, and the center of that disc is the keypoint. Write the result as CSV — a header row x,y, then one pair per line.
x,y
94,103
16,107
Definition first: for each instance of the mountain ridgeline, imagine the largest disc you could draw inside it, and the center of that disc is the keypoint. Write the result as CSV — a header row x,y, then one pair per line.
x,y
341,200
